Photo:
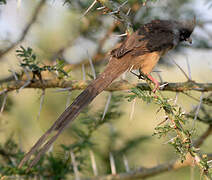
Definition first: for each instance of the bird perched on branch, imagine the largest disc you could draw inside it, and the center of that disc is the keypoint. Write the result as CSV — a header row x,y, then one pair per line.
x,y
140,50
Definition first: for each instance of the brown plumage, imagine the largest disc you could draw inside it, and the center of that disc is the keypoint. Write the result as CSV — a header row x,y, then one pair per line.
x,y
141,50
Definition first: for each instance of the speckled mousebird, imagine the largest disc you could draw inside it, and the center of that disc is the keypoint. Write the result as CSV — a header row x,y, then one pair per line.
x,y
140,50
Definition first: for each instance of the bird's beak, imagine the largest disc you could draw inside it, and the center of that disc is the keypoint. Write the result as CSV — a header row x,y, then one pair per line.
x,y
189,40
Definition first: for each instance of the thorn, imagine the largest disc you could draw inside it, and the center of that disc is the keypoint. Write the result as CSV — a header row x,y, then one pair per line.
x,y
83,72
112,164
120,35
89,8
25,85
171,140
126,164
63,89
92,66
107,105
100,8
93,163
41,103
123,4
169,56
128,12
176,98
198,108
189,68
68,99
2,92
158,74
50,149
27,82
18,4
163,85
14,74
4,103
132,109
76,172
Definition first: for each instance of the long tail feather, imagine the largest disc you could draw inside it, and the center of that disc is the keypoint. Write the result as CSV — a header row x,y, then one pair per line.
x,y
112,71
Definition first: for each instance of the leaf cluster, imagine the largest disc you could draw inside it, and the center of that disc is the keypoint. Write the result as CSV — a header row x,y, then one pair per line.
x,y
30,62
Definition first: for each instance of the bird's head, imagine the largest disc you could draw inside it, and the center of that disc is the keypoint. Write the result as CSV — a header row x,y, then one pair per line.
x,y
185,29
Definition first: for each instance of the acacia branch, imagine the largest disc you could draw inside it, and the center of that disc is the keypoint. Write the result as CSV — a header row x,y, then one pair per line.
x,y
26,29
116,86
148,172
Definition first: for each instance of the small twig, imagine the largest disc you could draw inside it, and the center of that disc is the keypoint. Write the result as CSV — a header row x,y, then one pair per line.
x,y
107,105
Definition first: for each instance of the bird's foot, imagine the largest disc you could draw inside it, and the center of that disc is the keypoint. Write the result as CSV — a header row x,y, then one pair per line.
x,y
157,84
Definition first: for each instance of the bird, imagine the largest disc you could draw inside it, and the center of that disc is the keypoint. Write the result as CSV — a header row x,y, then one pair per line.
x,y
140,50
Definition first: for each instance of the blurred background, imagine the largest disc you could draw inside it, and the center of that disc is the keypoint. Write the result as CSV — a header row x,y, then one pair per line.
x,y
60,31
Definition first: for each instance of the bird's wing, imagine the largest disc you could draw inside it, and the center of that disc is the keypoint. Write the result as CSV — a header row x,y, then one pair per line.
x,y
149,38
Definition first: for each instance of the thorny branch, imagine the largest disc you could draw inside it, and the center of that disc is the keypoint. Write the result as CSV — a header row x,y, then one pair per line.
x,y
116,86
